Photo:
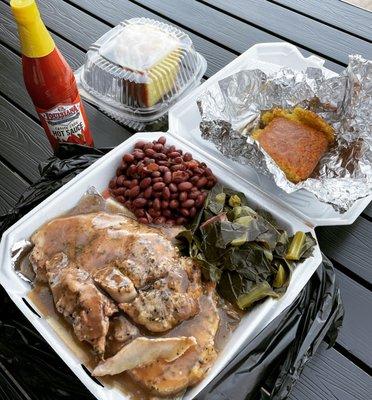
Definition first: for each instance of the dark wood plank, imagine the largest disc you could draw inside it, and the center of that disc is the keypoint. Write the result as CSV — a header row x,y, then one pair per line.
x,y
106,132
336,13
224,29
355,335
329,375
368,210
12,186
115,11
9,35
349,246
293,26
23,142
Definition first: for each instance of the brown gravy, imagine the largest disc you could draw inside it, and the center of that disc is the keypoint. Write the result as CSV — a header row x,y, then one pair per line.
x,y
41,297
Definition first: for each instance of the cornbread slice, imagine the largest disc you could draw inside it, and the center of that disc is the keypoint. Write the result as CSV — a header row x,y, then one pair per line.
x,y
295,139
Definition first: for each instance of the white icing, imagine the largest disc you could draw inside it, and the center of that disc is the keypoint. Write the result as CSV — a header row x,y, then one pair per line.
x,y
139,47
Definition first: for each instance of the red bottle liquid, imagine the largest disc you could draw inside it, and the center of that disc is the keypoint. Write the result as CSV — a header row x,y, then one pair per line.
x,y
49,80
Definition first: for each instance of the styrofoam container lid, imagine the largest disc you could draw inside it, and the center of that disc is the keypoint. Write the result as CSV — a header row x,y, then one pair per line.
x,y
184,120
98,175
138,69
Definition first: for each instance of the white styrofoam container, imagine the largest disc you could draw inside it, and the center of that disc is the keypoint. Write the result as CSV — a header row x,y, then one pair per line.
x,y
98,175
184,120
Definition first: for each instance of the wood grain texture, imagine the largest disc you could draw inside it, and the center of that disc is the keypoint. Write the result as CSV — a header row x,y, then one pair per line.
x,y
355,335
106,132
350,246
223,29
114,11
9,35
12,186
305,31
329,375
368,210
23,142
336,13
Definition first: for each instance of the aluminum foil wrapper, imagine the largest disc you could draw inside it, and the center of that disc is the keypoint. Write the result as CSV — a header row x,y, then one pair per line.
x,y
232,107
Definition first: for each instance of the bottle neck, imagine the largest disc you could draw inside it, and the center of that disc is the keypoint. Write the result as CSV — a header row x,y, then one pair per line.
x,y
35,39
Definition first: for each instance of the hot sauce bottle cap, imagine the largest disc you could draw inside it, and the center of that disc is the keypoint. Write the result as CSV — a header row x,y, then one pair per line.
x,y
35,39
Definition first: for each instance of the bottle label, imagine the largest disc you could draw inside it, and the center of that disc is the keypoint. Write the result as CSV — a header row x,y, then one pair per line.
x,y
64,122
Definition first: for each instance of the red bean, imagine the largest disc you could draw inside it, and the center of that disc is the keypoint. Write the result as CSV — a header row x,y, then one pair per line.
x,y
150,152
167,213
145,183
179,176
171,149
178,160
201,182
188,203
210,184
173,188
200,200
158,147
158,179
192,164
162,140
194,179
152,167
194,194
120,199
140,144
128,158
139,154
148,192
157,194
173,204
112,183
160,156
139,202
118,172
127,193
163,169
164,204
174,196
126,183
173,154
134,192
162,163
157,204
132,170
183,196
154,213
178,167
120,191
156,174
187,157
139,212
185,212
170,222
128,204
133,183
143,220
167,177
192,212
184,186
148,145
159,186
180,220
166,193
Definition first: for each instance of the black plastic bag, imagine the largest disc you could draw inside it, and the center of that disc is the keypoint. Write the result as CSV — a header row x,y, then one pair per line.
x,y
265,368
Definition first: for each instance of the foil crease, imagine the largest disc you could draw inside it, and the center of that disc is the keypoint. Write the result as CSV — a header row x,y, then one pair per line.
x,y
231,109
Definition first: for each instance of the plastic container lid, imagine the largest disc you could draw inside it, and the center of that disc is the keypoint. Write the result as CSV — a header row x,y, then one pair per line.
x,y
139,69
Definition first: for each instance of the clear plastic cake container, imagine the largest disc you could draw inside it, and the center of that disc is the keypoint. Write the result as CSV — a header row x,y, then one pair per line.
x,y
139,69
98,175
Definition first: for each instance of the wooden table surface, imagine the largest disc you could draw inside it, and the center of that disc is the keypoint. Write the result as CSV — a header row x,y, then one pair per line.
x,y
220,30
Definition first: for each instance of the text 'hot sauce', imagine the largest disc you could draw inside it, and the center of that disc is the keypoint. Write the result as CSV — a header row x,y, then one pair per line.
x,y
49,79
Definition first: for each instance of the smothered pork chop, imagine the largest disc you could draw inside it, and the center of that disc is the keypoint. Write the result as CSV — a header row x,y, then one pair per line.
x,y
113,278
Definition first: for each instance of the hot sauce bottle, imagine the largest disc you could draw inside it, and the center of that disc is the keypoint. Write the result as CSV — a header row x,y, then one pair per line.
x,y
49,80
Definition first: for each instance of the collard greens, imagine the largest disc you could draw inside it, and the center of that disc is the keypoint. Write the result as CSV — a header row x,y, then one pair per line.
x,y
244,251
